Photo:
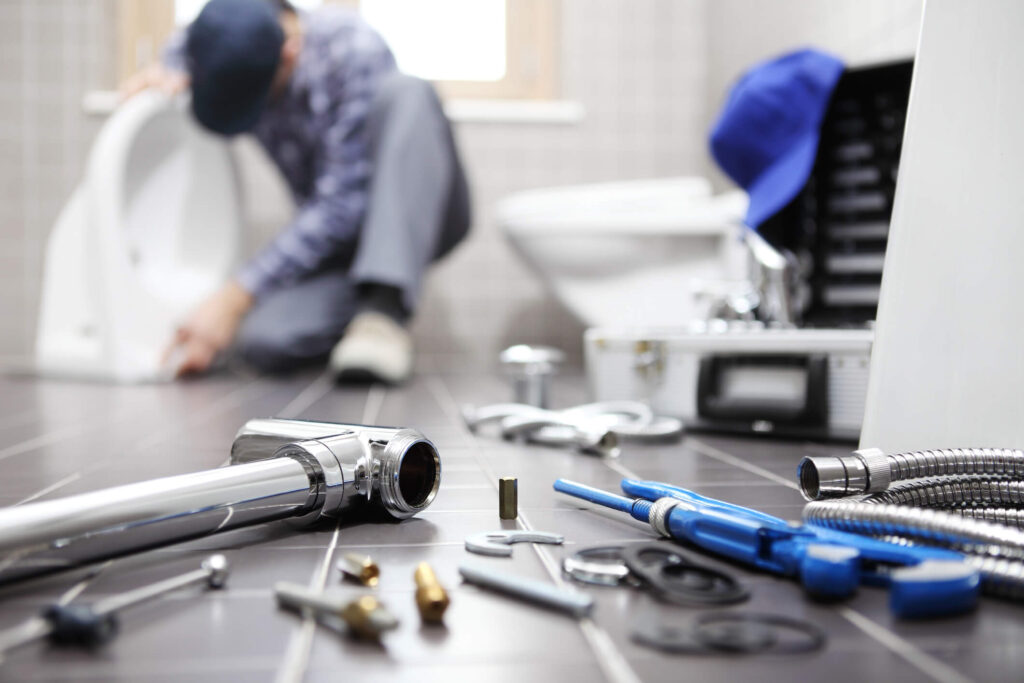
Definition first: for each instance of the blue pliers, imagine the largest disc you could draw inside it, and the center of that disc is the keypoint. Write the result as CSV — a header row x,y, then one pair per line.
x,y
922,581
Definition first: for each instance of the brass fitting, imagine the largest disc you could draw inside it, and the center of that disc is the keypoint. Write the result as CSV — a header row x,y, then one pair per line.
x,y
508,498
431,597
368,618
359,568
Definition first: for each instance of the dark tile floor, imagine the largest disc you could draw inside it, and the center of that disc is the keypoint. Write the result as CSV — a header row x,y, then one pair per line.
x,y
58,439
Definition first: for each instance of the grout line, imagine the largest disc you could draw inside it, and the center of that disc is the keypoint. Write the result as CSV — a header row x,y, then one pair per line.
x,y
722,456
51,488
610,660
938,670
897,645
317,389
230,400
39,441
300,645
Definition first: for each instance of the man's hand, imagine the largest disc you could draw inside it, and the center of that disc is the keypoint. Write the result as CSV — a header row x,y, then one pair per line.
x,y
209,329
156,76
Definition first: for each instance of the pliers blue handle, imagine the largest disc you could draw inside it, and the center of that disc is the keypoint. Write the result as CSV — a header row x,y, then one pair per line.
x,y
829,564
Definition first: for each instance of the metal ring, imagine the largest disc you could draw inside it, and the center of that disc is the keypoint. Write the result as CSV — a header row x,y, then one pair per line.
x,y
674,578
601,565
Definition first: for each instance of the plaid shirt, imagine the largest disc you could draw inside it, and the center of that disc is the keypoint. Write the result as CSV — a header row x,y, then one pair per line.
x,y
315,132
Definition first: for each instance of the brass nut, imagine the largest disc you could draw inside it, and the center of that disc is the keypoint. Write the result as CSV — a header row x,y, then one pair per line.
x,y
368,618
508,498
359,568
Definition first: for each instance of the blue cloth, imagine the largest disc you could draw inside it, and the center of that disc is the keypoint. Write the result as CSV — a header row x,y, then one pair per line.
x,y
316,134
766,137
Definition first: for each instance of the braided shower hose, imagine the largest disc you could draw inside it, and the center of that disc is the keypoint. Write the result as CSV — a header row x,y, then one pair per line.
x,y
967,499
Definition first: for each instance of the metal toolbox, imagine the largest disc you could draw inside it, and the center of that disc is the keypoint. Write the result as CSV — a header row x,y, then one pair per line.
x,y
738,376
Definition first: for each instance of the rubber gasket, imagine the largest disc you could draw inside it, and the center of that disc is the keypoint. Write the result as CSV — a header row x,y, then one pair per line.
x,y
748,633
735,640
599,565
673,577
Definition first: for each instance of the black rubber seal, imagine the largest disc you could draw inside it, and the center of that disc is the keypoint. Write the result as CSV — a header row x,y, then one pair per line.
x,y
731,633
743,632
672,577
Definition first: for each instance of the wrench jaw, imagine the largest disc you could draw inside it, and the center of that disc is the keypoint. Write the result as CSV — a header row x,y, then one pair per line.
x,y
499,543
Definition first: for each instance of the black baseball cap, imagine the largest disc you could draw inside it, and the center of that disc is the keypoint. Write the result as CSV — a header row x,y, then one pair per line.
x,y
233,49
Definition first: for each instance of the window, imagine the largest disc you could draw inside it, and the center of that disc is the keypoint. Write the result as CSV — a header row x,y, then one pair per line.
x,y
470,48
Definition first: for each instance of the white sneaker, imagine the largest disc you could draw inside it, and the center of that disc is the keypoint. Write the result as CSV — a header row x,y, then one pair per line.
x,y
374,348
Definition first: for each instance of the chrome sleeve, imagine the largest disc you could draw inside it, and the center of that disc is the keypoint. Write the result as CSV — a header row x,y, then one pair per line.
x,y
864,470
48,536
322,471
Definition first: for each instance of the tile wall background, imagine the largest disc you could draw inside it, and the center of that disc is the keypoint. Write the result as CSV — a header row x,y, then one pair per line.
x,y
649,73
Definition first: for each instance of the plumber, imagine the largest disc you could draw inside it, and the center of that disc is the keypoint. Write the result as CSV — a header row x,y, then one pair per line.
x,y
370,159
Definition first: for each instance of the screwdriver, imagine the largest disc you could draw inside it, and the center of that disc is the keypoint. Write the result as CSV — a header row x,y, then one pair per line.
x,y
95,624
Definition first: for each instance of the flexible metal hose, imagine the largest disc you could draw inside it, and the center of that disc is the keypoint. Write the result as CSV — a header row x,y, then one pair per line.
x,y
870,470
968,499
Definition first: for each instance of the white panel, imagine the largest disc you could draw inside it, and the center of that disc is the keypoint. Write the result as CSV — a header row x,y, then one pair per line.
x,y
948,367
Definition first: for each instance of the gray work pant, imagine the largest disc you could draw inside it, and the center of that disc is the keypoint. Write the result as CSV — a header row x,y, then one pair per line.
x,y
417,211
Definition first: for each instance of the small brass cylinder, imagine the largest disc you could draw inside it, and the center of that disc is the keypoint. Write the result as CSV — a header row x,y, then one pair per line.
x,y
431,597
508,498
367,618
359,568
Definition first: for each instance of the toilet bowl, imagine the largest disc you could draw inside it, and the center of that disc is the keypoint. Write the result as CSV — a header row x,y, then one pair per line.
x,y
638,253
153,228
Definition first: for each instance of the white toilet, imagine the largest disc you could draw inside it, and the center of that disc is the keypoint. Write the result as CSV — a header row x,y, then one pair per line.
x,y
154,227
631,254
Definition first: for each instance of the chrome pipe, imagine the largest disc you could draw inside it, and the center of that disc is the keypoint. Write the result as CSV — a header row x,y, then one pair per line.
x,y
396,470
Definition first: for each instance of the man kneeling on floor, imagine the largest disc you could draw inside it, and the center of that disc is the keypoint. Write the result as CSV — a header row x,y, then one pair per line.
x,y
370,159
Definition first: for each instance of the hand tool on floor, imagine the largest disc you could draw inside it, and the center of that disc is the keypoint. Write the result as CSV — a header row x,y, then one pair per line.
x,y
93,624
431,597
499,543
830,564
576,604
365,616
330,472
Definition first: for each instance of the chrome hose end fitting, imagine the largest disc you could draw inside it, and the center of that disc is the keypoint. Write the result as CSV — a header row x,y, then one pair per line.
x,y
864,471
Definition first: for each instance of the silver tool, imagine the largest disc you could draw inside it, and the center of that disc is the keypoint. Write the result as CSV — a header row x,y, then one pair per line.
x,y
594,428
95,624
570,602
602,566
365,616
499,543
327,471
